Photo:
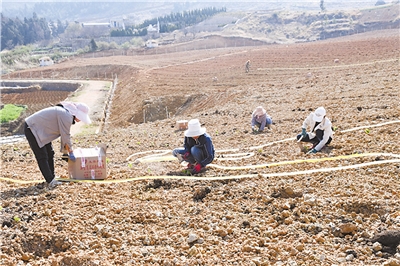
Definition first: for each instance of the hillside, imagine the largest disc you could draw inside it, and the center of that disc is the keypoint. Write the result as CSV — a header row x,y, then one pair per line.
x,y
289,26
262,202
138,11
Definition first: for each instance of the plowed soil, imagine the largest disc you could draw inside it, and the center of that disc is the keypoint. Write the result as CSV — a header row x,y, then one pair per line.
x,y
262,202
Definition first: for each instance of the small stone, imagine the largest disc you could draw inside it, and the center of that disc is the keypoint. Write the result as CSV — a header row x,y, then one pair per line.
x,y
391,262
347,228
193,251
192,238
99,227
377,246
300,247
285,214
25,257
114,241
309,199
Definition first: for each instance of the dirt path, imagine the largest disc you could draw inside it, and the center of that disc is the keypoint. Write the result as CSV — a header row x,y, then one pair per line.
x,y
94,94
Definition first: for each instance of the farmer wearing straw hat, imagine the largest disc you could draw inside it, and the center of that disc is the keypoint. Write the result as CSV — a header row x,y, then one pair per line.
x,y
44,126
198,149
260,119
321,130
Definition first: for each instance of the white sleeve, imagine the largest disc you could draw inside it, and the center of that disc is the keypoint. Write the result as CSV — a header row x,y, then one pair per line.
x,y
327,133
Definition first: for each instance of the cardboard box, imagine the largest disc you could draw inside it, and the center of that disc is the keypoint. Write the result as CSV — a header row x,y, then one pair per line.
x,y
182,124
90,163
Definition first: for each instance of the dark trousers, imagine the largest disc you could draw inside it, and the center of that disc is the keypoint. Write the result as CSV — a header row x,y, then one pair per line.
x,y
319,136
44,156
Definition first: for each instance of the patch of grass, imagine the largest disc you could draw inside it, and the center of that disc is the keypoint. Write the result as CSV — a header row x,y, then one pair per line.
x,y
88,129
11,112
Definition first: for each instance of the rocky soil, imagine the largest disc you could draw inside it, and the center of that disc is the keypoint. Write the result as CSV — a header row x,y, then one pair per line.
x,y
262,201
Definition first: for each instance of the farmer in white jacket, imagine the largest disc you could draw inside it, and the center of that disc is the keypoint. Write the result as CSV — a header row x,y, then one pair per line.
x,y
321,130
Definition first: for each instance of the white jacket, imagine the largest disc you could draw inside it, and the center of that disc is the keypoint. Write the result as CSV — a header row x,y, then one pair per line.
x,y
325,125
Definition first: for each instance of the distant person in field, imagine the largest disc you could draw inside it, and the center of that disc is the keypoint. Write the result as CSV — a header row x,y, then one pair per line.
x,y
198,149
320,133
260,120
44,126
247,66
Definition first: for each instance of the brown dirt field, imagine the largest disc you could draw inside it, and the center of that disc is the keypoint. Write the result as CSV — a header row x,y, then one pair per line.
x,y
276,215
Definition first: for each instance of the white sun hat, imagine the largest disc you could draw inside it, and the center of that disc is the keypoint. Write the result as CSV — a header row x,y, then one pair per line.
x,y
79,110
319,114
194,128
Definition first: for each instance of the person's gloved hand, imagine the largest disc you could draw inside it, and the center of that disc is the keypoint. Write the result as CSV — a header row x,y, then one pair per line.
x,y
196,169
71,156
312,151
303,132
253,129
185,156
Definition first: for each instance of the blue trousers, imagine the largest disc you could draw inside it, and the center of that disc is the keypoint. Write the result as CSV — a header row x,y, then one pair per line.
x,y
196,154
268,122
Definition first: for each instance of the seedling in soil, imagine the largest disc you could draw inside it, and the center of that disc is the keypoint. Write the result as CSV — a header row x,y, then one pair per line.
x,y
17,219
187,172
367,130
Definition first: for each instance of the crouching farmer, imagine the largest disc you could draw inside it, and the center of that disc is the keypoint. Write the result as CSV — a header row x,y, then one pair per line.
x,y
260,119
321,130
198,149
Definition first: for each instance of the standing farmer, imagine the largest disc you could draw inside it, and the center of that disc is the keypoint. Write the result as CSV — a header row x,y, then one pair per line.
x,y
44,126
247,66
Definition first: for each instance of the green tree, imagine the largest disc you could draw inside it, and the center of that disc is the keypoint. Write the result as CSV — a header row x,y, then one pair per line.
x,y
15,32
59,28
93,46
321,5
73,30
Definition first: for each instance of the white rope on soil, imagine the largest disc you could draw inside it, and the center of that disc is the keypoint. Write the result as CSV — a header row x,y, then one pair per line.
x,y
159,158
156,156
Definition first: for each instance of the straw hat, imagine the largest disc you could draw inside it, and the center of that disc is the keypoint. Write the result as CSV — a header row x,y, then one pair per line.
x,y
194,128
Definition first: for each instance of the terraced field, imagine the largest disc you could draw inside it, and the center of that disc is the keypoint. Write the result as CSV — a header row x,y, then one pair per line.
x,y
262,201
